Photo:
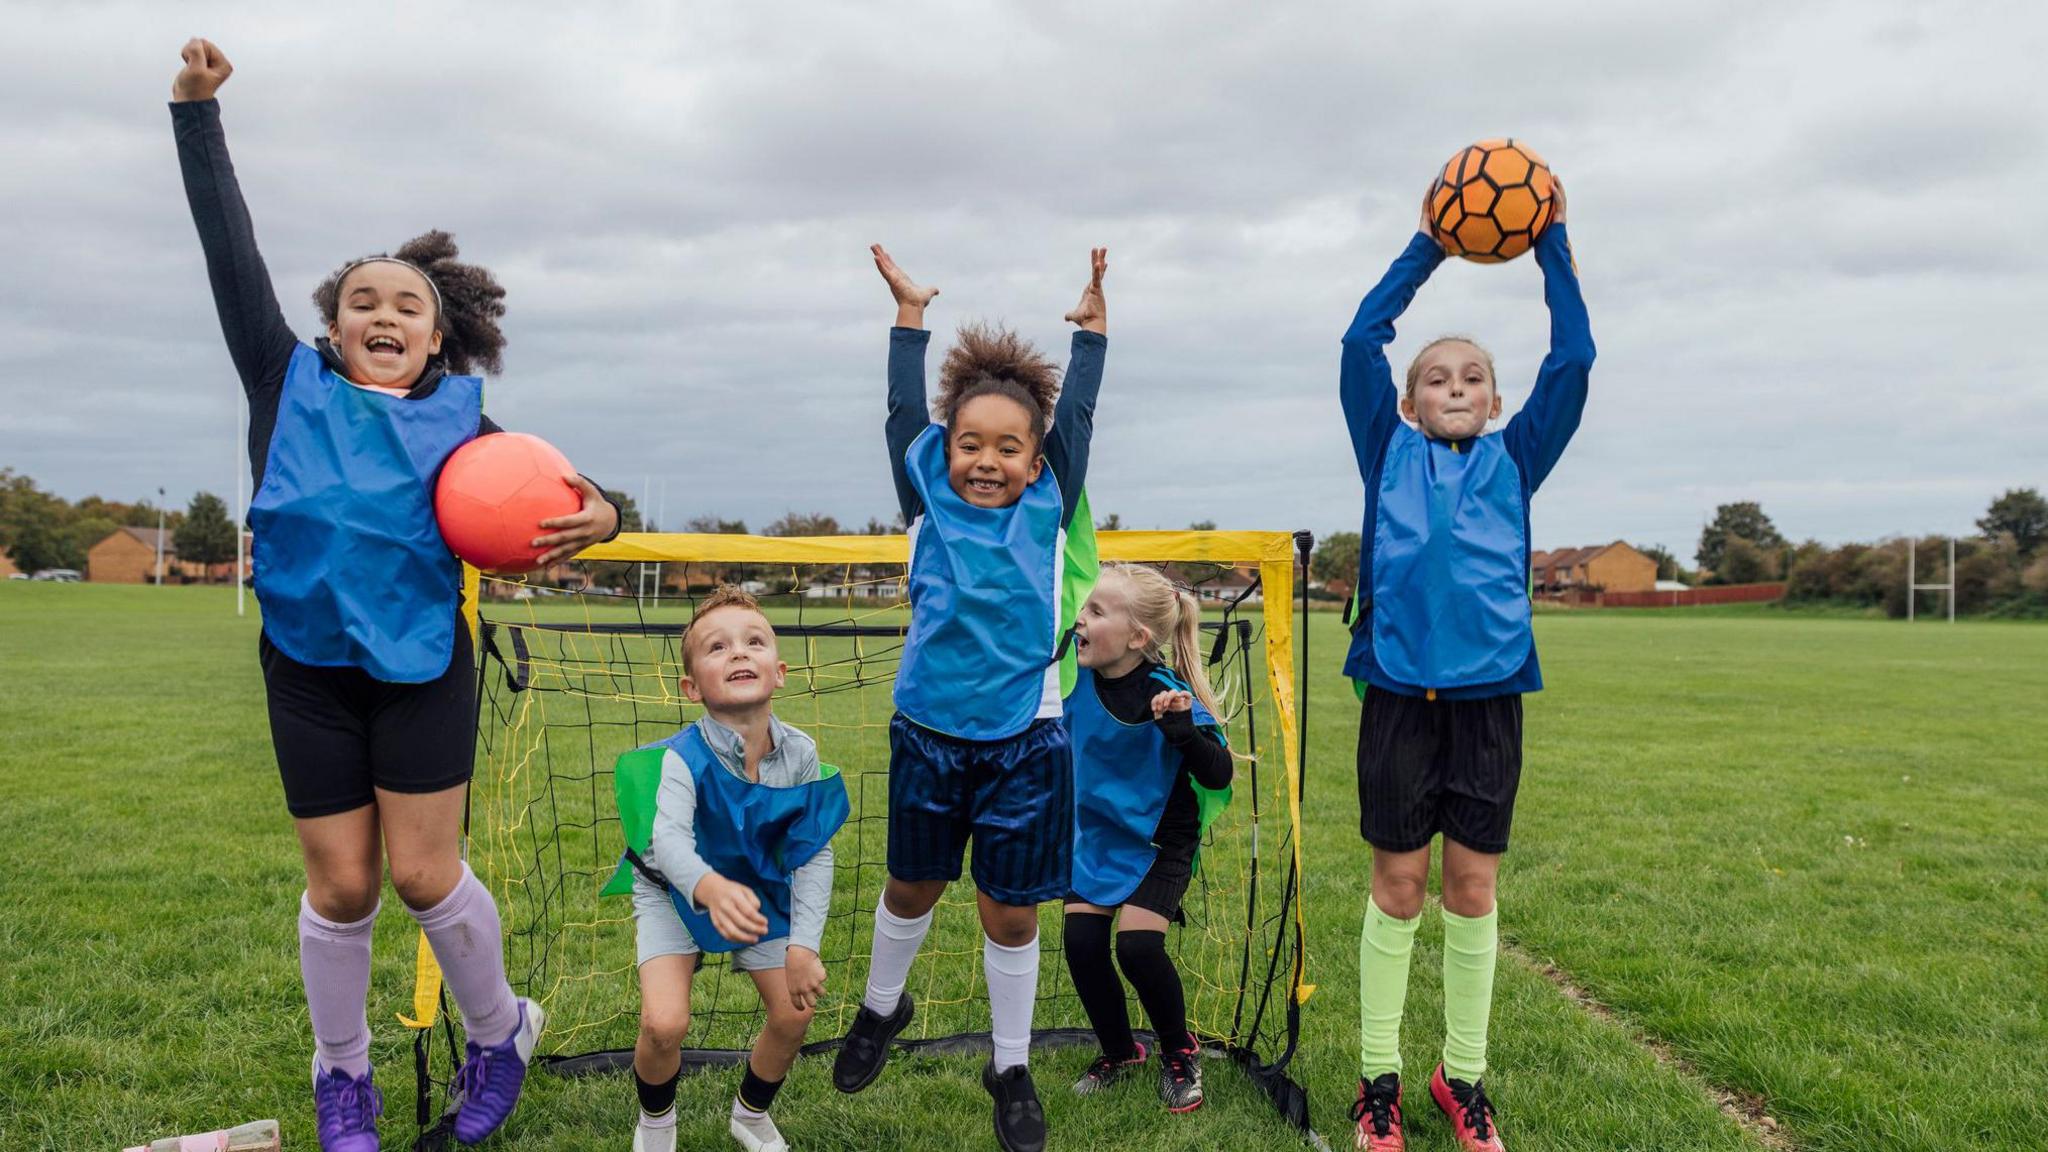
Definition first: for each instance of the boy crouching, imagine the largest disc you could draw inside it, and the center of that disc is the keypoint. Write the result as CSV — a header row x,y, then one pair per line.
x,y
733,854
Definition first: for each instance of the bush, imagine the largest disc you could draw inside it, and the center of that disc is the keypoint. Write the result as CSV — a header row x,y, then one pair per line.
x,y
1817,574
2035,578
1745,563
1879,579
1987,574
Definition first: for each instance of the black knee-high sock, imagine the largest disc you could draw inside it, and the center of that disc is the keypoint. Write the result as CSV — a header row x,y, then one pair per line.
x,y
1142,956
1102,994
756,1094
656,1099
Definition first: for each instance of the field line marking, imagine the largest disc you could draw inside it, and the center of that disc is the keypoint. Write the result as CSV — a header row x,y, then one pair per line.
x,y
1747,1110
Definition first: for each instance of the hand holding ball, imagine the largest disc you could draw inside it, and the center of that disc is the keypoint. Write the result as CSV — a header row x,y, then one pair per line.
x,y
493,493
1491,201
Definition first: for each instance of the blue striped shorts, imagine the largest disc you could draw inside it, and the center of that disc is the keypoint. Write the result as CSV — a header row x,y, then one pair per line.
x,y
1013,798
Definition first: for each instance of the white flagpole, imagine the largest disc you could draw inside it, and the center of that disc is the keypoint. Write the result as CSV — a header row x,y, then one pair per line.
x,y
640,574
160,498
241,513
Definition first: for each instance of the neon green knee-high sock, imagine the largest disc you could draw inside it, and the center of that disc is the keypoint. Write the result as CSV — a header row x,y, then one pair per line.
x,y
1470,946
1384,947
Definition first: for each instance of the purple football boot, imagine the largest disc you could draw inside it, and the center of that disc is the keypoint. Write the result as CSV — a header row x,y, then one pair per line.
x,y
345,1110
490,1078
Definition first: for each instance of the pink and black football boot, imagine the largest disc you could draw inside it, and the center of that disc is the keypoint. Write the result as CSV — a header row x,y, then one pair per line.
x,y
1377,1112
1470,1112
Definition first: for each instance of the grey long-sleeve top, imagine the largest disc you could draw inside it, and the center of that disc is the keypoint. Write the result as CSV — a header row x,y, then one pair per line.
x,y
673,847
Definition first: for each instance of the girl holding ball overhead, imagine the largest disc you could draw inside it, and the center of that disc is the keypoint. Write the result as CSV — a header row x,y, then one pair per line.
x,y
367,667
1441,646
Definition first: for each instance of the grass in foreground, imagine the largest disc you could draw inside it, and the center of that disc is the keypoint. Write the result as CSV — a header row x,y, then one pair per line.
x,y
1680,850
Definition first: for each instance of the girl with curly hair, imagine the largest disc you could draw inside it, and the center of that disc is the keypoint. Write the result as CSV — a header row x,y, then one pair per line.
x,y
976,748
368,669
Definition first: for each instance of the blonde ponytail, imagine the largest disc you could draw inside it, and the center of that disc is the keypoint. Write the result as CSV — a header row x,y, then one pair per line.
x,y
1187,650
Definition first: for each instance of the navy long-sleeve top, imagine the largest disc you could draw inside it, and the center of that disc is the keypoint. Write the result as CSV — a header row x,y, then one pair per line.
x,y
1534,438
1066,445
259,340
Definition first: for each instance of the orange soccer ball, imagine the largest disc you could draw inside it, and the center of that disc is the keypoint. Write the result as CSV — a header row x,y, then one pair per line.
x,y
1491,201
493,493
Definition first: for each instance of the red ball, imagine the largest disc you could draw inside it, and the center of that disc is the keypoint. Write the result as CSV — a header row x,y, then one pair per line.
x,y
493,493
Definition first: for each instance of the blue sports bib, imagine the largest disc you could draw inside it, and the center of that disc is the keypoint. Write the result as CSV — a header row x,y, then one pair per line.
x,y
349,563
753,835
1450,564
984,605
1123,774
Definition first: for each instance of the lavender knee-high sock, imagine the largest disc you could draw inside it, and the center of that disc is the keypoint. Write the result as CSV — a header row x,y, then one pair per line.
x,y
465,932
334,961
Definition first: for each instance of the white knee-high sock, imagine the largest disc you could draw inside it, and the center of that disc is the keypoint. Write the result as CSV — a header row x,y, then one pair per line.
x,y
1012,975
466,934
334,960
896,943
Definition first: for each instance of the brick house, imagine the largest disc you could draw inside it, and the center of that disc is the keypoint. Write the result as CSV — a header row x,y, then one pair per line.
x,y
7,567
1578,572
128,556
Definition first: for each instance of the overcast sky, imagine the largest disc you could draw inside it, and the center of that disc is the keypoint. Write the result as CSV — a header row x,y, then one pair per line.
x,y
1811,236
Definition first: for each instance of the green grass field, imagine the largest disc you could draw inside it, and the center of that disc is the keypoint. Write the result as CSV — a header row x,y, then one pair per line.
x,y
1799,854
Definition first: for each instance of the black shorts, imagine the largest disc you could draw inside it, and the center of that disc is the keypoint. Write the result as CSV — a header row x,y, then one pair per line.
x,y
1429,766
340,732
1165,883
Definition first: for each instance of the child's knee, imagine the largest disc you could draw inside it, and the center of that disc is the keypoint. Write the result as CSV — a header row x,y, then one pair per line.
x,y
910,899
664,1028
1008,925
424,886
343,898
1400,893
1140,949
1469,893
788,1020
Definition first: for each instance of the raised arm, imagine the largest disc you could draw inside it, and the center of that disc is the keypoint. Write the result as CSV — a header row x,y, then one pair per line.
x,y
1365,381
259,341
909,416
1073,417
1537,435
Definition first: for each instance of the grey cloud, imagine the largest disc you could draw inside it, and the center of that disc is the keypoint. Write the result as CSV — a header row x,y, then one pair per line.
x,y
1793,224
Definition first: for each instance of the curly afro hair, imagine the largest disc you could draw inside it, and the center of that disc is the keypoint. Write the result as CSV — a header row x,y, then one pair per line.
x,y
472,301
990,360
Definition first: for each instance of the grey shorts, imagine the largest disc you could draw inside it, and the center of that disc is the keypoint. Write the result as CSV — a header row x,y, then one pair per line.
x,y
660,932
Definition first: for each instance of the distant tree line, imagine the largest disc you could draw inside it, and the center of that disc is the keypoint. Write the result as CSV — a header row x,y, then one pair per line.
x,y
2000,571
41,530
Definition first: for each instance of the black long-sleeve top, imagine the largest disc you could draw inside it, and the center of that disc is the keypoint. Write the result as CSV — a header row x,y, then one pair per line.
x,y
259,341
1204,759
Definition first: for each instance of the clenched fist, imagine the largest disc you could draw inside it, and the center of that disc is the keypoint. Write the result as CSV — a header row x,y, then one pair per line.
x,y
206,69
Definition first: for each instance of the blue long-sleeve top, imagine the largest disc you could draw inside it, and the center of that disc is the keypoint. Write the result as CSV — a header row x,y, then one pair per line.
x,y
1066,445
1534,439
